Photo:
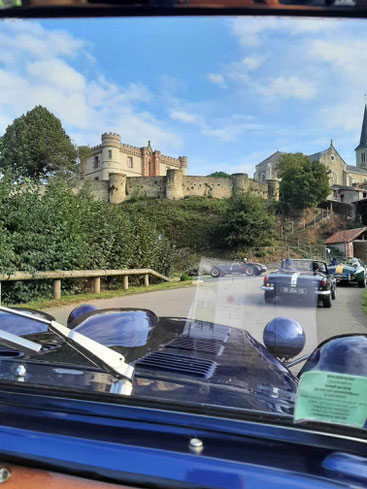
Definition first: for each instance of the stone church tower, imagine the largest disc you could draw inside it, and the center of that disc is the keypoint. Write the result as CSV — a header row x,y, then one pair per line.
x,y
361,149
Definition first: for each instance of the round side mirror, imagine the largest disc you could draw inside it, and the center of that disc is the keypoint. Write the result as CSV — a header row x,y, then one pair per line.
x,y
79,311
284,337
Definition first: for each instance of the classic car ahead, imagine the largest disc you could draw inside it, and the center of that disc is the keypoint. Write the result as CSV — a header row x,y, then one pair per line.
x,y
353,271
302,279
239,268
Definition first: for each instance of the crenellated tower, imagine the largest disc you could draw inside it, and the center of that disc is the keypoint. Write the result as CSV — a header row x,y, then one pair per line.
x,y
110,157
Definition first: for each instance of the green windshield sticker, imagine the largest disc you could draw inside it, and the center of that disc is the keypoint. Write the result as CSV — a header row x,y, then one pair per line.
x,y
10,3
332,398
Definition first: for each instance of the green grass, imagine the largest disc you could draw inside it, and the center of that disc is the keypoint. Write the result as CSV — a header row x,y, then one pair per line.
x,y
106,294
364,301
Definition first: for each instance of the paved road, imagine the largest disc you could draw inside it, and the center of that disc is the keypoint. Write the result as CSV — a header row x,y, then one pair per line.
x,y
239,302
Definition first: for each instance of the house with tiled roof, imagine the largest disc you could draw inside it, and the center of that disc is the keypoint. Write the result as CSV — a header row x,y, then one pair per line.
x,y
350,242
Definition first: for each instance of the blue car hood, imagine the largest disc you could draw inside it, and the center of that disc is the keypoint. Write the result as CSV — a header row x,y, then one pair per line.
x,y
175,359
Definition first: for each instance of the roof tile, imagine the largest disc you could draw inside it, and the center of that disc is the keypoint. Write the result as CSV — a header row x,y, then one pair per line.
x,y
348,236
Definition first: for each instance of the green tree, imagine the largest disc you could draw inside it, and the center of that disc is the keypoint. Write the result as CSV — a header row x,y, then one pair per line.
x,y
35,145
249,221
220,174
304,183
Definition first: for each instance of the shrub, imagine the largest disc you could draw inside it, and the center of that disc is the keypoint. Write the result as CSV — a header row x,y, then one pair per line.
x,y
51,228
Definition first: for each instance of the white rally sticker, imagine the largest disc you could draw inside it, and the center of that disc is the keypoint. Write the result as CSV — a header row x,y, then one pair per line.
x,y
294,279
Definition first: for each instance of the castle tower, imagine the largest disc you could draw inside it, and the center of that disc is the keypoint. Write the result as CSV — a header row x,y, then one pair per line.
x,y
361,149
183,164
111,144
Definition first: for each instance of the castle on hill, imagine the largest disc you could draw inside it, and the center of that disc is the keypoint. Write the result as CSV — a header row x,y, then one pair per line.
x,y
112,156
120,172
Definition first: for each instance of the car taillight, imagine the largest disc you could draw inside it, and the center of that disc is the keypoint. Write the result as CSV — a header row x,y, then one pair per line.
x,y
322,283
265,279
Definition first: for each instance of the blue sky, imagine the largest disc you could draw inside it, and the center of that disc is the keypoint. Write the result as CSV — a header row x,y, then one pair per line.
x,y
226,92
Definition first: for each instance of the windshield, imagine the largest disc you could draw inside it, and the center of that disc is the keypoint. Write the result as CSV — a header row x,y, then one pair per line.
x,y
201,184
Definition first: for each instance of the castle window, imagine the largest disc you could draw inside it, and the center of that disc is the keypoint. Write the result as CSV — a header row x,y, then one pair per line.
x,y
96,178
96,161
262,178
363,157
110,154
332,157
129,162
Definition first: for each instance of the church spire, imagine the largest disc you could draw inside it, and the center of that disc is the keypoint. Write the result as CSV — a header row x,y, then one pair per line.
x,y
361,149
363,138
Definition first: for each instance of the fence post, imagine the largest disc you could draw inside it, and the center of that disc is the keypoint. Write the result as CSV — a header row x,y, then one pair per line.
x,y
56,286
96,285
292,226
125,282
146,280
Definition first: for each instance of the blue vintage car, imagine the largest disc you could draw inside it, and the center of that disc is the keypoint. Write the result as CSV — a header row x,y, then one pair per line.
x,y
301,279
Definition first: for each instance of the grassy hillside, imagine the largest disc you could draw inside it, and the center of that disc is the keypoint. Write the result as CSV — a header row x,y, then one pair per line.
x,y
193,223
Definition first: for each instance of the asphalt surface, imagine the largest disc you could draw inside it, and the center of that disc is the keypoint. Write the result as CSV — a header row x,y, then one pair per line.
x,y
239,302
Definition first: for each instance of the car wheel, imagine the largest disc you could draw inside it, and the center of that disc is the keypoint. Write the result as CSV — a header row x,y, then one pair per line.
x,y
269,298
326,301
333,294
362,283
215,272
257,271
250,272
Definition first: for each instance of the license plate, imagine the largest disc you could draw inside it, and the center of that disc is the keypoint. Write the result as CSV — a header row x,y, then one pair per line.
x,y
293,290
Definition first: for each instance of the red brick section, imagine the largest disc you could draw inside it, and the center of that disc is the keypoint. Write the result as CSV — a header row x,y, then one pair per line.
x,y
347,236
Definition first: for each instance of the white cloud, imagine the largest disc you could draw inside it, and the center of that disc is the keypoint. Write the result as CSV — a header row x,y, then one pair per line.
x,y
217,79
56,73
292,87
248,31
253,62
251,32
182,116
38,66
350,58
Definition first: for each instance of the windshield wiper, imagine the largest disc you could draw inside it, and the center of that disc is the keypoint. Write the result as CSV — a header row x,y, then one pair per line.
x,y
18,343
103,357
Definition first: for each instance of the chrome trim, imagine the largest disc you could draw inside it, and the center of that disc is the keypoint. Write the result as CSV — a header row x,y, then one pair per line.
x,y
322,292
271,288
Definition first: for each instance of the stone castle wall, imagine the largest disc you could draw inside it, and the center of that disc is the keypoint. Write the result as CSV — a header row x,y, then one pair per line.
x,y
175,185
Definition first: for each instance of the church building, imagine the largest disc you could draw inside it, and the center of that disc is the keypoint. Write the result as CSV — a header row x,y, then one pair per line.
x,y
340,172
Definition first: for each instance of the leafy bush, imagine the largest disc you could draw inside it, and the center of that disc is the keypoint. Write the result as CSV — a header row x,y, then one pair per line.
x,y
51,228
195,223
248,222
184,277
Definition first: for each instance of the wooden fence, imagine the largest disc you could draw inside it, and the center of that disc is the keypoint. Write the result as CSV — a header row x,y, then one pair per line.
x,y
95,275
